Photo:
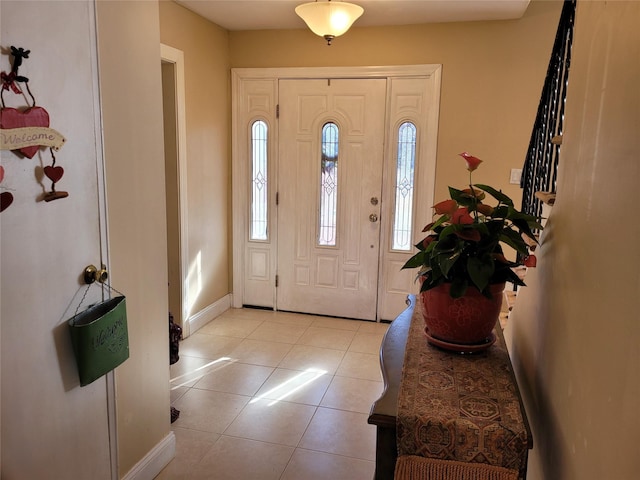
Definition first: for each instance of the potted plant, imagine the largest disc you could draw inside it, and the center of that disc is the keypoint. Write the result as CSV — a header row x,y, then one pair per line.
x,y
462,265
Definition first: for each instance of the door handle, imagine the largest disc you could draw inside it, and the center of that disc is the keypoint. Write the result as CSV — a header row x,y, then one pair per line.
x,y
92,274
373,218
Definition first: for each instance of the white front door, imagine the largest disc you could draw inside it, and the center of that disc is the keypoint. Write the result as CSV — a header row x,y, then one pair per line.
x,y
283,221
331,148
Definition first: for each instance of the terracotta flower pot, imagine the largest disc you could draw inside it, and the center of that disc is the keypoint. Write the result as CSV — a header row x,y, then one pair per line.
x,y
468,320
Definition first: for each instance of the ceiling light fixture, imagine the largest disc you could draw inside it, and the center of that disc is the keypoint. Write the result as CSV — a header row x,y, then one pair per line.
x,y
329,19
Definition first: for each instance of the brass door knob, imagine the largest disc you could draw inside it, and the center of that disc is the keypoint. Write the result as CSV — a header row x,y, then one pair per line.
x,y
373,218
92,274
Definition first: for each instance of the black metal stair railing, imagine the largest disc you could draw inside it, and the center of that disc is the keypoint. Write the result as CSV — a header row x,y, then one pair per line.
x,y
539,173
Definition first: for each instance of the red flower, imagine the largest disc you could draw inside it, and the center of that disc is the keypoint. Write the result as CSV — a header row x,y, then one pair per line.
x,y
477,193
530,261
472,162
484,209
461,216
446,206
428,227
428,240
469,234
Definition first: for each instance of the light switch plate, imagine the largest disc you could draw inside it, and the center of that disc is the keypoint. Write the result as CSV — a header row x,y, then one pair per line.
x,y
516,174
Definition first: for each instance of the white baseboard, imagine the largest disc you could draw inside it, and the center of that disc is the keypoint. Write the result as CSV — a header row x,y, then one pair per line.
x,y
154,461
207,314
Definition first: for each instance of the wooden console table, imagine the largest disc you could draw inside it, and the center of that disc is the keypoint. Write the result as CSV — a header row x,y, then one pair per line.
x,y
385,410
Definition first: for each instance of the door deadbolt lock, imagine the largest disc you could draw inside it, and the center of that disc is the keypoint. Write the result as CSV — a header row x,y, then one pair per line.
x,y
92,274
374,200
373,218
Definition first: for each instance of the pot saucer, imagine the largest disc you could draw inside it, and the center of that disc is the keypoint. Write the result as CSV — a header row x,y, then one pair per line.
x,y
460,347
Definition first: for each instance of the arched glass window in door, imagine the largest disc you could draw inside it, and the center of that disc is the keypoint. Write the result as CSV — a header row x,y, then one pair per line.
x,y
405,176
259,221
328,186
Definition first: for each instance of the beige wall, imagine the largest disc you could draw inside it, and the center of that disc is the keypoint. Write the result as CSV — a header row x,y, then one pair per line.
x,y
492,78
205,48
129,50
575,329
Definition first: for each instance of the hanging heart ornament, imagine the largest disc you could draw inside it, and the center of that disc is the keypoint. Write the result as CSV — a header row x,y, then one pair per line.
x,y
6,199
31,117
53,173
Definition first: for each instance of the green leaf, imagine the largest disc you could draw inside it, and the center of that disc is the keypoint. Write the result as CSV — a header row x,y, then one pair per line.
x,y
515,214
513,277
449,230
445,244
431,282
481,227
500,212
436,272
458,287
530,220
480,270
415,261
501,197
514,240
431,246
447,261
495,226
466,199
460,197
523,226
440,221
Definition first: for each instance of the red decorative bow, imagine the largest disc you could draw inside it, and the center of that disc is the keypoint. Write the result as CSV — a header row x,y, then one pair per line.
x,y
9,82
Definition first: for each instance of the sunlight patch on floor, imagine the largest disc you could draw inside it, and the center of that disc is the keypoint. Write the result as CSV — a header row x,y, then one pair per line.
x,y
190,377
290,386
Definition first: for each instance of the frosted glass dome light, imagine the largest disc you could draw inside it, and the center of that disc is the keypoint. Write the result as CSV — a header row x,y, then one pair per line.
x,y
329,19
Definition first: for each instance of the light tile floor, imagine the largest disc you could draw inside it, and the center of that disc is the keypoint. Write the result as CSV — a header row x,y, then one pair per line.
x,y
273,395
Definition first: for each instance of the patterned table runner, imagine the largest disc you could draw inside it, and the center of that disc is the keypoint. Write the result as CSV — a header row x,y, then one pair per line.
x,y
463,408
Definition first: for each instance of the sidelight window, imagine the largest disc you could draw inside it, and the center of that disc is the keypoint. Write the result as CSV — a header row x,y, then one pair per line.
x,y
259,193
328,185
405,177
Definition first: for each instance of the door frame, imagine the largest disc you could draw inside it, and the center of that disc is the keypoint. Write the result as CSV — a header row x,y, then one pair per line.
x,y
239,163
176,58
110,377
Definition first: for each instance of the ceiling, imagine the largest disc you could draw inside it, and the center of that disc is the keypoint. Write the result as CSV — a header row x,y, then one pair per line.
x,y
279,14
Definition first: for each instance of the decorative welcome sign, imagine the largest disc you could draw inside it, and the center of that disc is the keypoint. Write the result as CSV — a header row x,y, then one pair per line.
x,y
24,137
26,131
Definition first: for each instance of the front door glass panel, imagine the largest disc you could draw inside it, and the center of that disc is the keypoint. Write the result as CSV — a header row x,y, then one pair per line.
x,y
328,220
405,174
259,199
